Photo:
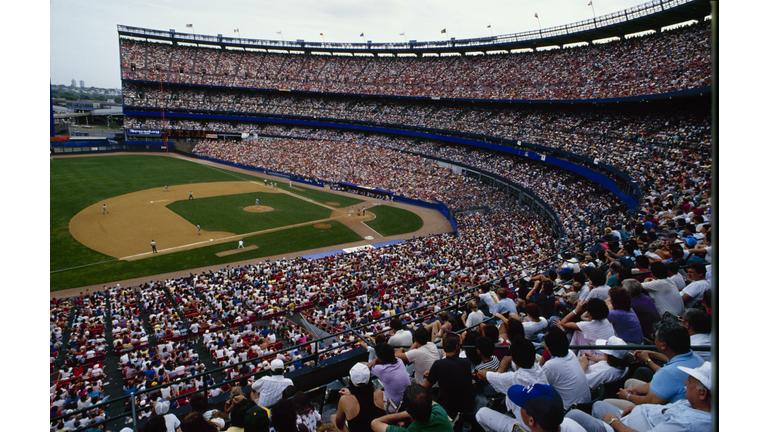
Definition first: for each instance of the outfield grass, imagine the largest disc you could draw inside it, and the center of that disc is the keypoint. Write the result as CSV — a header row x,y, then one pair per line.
x,y
79,182
393,221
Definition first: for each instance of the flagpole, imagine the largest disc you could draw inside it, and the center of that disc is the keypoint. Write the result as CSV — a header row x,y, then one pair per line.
x,y
403,35
321,34
594,17
538,21
489,26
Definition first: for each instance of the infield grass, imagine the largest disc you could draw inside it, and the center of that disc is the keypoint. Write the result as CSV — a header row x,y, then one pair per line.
x,y
79,182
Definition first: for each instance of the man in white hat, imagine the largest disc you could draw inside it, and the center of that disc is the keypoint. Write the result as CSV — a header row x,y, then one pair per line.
x,y
269,389
692,413
162,407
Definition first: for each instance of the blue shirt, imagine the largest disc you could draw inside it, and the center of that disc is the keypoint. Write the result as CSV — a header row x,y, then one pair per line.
x,y
668,382
504,305
678,416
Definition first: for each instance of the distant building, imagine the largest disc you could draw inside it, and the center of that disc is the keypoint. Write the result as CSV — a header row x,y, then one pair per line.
x,y
74,84
82,84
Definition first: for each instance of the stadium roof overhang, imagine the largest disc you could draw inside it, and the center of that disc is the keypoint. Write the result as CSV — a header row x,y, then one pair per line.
x,y
648,16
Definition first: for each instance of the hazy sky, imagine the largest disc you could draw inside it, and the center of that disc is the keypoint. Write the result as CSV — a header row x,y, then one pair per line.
x,y
84,40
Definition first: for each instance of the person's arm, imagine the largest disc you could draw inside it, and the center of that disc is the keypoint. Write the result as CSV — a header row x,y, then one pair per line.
x,y
686,298
533,291
565,322
647,359
341,412
616,424
641,395
400,353
380,424
504,364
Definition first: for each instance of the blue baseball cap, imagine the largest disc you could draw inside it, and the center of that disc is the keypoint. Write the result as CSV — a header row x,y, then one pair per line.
x,y
542,402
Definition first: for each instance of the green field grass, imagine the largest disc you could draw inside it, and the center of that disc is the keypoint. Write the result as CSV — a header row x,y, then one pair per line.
x,y
223,213
77,183
393,221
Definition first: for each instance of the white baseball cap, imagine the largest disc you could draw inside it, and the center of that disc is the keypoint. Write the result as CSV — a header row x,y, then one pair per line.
x,y
613,340
702,373
359,374
277,364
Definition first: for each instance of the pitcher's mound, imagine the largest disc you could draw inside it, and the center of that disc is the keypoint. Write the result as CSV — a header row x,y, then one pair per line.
x,y
322,226
259,209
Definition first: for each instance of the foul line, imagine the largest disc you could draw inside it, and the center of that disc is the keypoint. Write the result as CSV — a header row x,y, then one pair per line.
x,y
84,265
366,224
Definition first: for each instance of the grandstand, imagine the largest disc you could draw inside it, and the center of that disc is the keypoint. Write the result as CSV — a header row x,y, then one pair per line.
x,y
539,157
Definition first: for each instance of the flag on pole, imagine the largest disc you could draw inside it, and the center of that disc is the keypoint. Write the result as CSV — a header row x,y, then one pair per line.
x,y
489,26
362,34
280,32
536,15
321,34
402,34
443,31
590,3
237,30
189,25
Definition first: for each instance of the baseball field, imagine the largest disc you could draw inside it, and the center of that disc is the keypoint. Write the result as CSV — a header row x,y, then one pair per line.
x,y
106,210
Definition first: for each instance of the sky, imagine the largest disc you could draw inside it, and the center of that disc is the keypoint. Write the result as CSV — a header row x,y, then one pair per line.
x,y
84,39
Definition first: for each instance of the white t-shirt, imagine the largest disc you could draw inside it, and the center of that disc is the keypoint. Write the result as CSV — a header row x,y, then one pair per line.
x,y
696,290
531,328
701,339
665,295
501,382
422,359
567,377
601,372
475,318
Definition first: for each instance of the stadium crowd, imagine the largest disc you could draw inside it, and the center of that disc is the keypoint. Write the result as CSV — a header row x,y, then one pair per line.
x,y
623,277
660,63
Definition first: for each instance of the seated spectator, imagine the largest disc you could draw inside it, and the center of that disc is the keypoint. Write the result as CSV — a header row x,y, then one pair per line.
x,y
423,353
663,291
694,413
392,373
699,326
666,384
542,409
453,374
269,389
694,291
527,372
402,337
625,323
563,370
609,368
643,306
595,324
360,403
423,414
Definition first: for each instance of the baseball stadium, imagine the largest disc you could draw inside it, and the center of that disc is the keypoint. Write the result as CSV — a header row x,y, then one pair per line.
x,y
297,235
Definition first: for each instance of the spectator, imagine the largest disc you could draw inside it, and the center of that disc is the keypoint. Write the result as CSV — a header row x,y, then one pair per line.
x,y
360,403
692,413
663,291
563,369
269,389
424,414
541,409
643,307
392,373
423,353
611,367
625,323
527,372
699,326
666,384
453,375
